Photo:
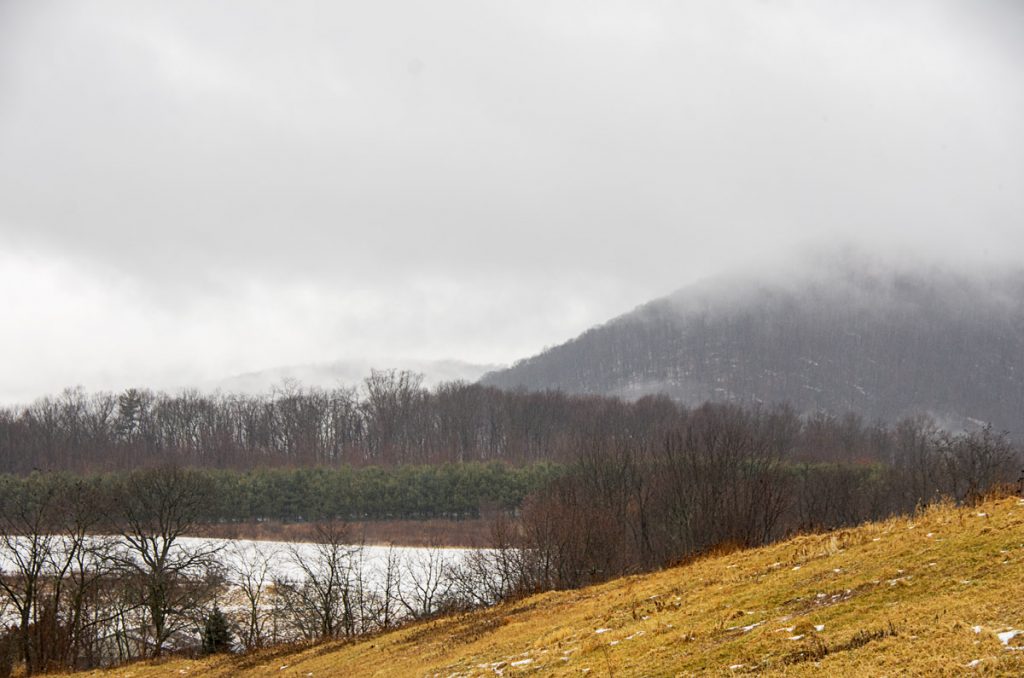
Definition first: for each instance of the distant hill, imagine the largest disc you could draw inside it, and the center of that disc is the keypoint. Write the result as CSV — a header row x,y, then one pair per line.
x,y
868,339
936,594
346,373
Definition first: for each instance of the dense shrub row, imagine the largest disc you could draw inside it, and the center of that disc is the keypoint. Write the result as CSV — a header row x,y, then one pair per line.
x,y
452,491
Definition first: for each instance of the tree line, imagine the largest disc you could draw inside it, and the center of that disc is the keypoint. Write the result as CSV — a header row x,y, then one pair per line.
x,y
728,479
314,494
391,419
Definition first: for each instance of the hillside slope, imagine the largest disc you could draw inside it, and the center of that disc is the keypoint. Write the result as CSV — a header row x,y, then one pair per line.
x,y
877,341
936,594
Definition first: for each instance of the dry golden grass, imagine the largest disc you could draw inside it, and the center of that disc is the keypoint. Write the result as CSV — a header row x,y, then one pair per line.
x,y
910,596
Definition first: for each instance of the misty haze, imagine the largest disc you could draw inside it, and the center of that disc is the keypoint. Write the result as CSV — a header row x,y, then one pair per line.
x,y
476,338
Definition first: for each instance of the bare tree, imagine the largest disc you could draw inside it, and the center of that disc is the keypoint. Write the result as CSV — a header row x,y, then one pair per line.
x,y
35,558
974,462
251,570
321,602
390,577
428,585
174,580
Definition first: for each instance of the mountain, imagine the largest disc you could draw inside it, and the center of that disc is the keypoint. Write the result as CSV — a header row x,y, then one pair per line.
x,y
933,594
346,373
878,341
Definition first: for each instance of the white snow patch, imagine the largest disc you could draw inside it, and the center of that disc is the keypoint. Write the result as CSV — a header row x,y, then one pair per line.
x,y
601,630
522,662
971,664
796,637
745,629
976,629
819,628
1006,636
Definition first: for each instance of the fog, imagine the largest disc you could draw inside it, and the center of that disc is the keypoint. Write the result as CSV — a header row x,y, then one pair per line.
x,y
193,190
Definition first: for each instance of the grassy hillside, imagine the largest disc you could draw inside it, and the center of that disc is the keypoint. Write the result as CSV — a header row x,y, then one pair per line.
x,y
928,595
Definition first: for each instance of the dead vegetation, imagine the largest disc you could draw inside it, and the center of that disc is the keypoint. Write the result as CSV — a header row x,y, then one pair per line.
x,y
936,593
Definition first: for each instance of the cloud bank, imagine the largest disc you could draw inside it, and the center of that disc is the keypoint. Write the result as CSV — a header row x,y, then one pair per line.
x,y
195,189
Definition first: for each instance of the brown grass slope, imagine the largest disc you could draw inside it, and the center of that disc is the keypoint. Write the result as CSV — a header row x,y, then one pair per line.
x,y
926,595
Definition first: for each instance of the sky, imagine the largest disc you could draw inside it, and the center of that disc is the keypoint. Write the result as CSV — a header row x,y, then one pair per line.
x,y
195,189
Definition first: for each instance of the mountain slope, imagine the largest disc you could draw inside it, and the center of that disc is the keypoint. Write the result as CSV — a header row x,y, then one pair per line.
x,y
881,343
928,595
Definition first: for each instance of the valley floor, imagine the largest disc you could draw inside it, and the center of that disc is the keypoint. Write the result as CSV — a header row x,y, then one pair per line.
x,y
941,593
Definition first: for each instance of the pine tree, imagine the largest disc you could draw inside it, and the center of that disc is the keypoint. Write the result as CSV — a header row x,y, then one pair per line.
x,y
217,636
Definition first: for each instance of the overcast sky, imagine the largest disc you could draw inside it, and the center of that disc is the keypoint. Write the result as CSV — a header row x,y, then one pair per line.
x,y
190,190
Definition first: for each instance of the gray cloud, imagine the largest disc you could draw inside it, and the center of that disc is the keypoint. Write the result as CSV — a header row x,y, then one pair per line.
x,y
195,188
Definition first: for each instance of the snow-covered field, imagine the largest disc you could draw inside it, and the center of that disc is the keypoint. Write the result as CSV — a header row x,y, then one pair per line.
x,y
260,564
285,559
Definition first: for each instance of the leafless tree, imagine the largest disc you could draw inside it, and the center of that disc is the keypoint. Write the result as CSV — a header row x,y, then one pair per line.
x,y
173,579
974,462
33,555
428,585
251,568
386,613
321,602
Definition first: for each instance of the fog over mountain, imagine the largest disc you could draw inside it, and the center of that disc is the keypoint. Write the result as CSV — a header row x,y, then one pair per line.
x,y
194,189
851,336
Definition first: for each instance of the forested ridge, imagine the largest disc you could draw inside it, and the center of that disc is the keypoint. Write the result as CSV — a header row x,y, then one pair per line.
x,y
881,342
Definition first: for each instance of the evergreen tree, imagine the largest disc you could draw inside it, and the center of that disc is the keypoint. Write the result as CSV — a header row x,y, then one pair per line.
x,y
217,637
